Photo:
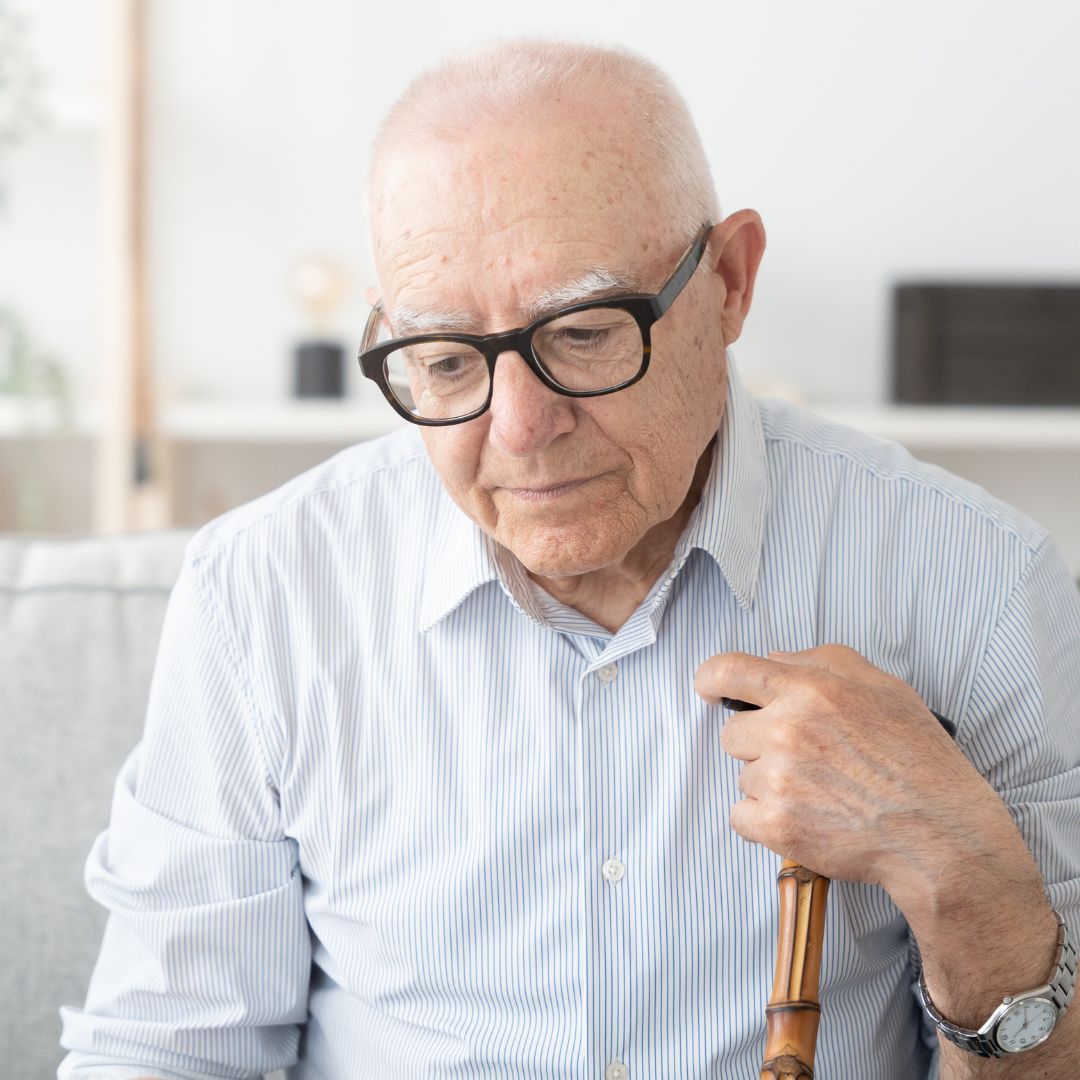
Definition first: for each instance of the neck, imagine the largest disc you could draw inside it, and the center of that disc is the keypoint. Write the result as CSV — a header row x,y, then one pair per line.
x,y
610,595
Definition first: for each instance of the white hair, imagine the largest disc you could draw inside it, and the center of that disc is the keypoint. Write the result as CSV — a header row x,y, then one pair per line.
x,y
504,79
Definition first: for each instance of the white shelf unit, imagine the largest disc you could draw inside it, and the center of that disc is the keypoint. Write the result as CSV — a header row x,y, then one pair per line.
x,y
220,420
344,421
964,427
1052,430
916,426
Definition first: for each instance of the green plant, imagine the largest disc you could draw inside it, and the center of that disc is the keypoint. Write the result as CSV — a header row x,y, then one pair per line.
x,y
21,86
29,374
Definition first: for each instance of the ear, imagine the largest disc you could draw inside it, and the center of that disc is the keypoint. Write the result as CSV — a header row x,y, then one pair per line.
x,y
736,246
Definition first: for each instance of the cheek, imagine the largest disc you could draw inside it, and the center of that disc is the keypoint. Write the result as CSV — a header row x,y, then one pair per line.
x,y
455,454
694,371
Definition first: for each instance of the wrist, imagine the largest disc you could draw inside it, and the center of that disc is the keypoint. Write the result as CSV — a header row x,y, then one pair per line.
x,y
977,908
979,945
1023,1019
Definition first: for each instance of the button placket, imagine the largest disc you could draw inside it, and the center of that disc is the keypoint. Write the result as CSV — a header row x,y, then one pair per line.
x,y
604,757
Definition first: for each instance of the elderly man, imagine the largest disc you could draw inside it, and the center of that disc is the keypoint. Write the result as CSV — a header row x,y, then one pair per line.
x,y
436,779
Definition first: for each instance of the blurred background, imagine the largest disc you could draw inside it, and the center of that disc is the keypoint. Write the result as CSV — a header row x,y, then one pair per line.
x,y
183,257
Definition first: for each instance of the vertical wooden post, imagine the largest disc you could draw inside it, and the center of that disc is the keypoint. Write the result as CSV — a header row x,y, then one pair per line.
x,y
126,496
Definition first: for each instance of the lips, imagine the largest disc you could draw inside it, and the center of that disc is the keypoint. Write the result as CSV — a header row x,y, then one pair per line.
x,y
546,492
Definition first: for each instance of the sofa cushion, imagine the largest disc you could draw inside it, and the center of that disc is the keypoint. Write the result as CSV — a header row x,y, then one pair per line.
x,y
79,626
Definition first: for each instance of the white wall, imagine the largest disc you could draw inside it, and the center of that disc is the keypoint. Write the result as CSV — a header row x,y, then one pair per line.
x,y
49,220
878,141
934,137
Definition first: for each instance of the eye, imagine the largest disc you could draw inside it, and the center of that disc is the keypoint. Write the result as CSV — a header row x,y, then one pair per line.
x,y
446,365
585,335
582,336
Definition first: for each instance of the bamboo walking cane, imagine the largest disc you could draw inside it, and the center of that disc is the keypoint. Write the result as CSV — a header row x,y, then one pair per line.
x,y
794,1008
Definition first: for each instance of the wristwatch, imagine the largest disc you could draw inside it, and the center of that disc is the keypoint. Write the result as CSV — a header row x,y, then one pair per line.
x,y
1022,1021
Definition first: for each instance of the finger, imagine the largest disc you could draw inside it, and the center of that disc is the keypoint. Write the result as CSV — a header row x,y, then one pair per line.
x,y
751,780
745,819
739,676
750,818
834,658
741,737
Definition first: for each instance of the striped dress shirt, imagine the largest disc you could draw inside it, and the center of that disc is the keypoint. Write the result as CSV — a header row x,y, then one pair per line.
x,y
398,813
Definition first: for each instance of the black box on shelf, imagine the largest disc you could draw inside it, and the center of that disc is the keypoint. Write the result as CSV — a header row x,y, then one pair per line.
x,y
986,344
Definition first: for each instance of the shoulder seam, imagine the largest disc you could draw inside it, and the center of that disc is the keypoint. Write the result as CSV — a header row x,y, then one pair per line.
x,y
1031,546
204,552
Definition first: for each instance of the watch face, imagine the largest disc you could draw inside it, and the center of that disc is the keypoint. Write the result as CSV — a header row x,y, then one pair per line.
x,y
1026,1024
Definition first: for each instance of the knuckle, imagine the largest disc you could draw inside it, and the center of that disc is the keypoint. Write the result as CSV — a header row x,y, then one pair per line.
x,y
816,695
775,821
781,738
779,777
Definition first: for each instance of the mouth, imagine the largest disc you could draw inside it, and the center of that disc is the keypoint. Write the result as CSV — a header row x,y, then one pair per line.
x,y
547,493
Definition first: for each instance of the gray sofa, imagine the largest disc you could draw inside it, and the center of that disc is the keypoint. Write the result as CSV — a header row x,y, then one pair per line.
x,y
79,625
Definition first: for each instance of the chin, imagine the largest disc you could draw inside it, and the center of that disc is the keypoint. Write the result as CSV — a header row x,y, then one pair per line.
x,y
567,551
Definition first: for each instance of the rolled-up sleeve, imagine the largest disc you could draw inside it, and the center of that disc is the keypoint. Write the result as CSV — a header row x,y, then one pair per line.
x,y
205,962
1023,725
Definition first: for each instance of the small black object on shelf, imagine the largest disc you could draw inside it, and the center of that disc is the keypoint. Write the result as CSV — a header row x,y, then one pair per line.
x,y
318,369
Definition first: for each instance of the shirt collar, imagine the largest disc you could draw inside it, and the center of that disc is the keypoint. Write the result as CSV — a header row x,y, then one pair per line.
x,y
460,563
729,521
728,524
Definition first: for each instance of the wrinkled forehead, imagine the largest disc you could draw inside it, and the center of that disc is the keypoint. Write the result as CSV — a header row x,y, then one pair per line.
x,y
532,210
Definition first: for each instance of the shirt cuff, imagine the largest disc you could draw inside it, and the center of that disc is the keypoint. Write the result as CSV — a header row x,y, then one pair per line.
x,y
78,1066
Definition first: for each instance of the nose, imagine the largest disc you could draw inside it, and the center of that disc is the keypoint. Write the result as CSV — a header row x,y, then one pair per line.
x,y
525,415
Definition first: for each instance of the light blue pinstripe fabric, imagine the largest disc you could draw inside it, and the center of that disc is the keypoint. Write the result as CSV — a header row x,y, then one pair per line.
x,y
364,832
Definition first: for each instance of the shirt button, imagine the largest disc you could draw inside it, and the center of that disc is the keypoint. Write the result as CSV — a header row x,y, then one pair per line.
x,y
616,1070
614,871
608,672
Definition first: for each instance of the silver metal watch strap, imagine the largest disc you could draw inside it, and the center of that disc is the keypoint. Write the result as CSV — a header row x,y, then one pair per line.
x,y
1063,984
1059,990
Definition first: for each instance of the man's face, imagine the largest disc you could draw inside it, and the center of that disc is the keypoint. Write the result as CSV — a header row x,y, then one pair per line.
x,y
487,225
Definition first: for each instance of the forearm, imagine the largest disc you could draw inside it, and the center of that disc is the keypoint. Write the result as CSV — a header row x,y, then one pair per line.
x,y
986,931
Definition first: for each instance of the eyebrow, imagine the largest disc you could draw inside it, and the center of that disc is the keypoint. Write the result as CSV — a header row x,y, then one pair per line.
x,y
597,283
407,321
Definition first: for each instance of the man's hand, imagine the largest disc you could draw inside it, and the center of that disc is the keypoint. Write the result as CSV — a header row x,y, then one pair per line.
x,y
848,772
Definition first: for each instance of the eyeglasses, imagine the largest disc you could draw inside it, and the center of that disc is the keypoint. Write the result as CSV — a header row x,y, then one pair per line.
x,y
584,350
